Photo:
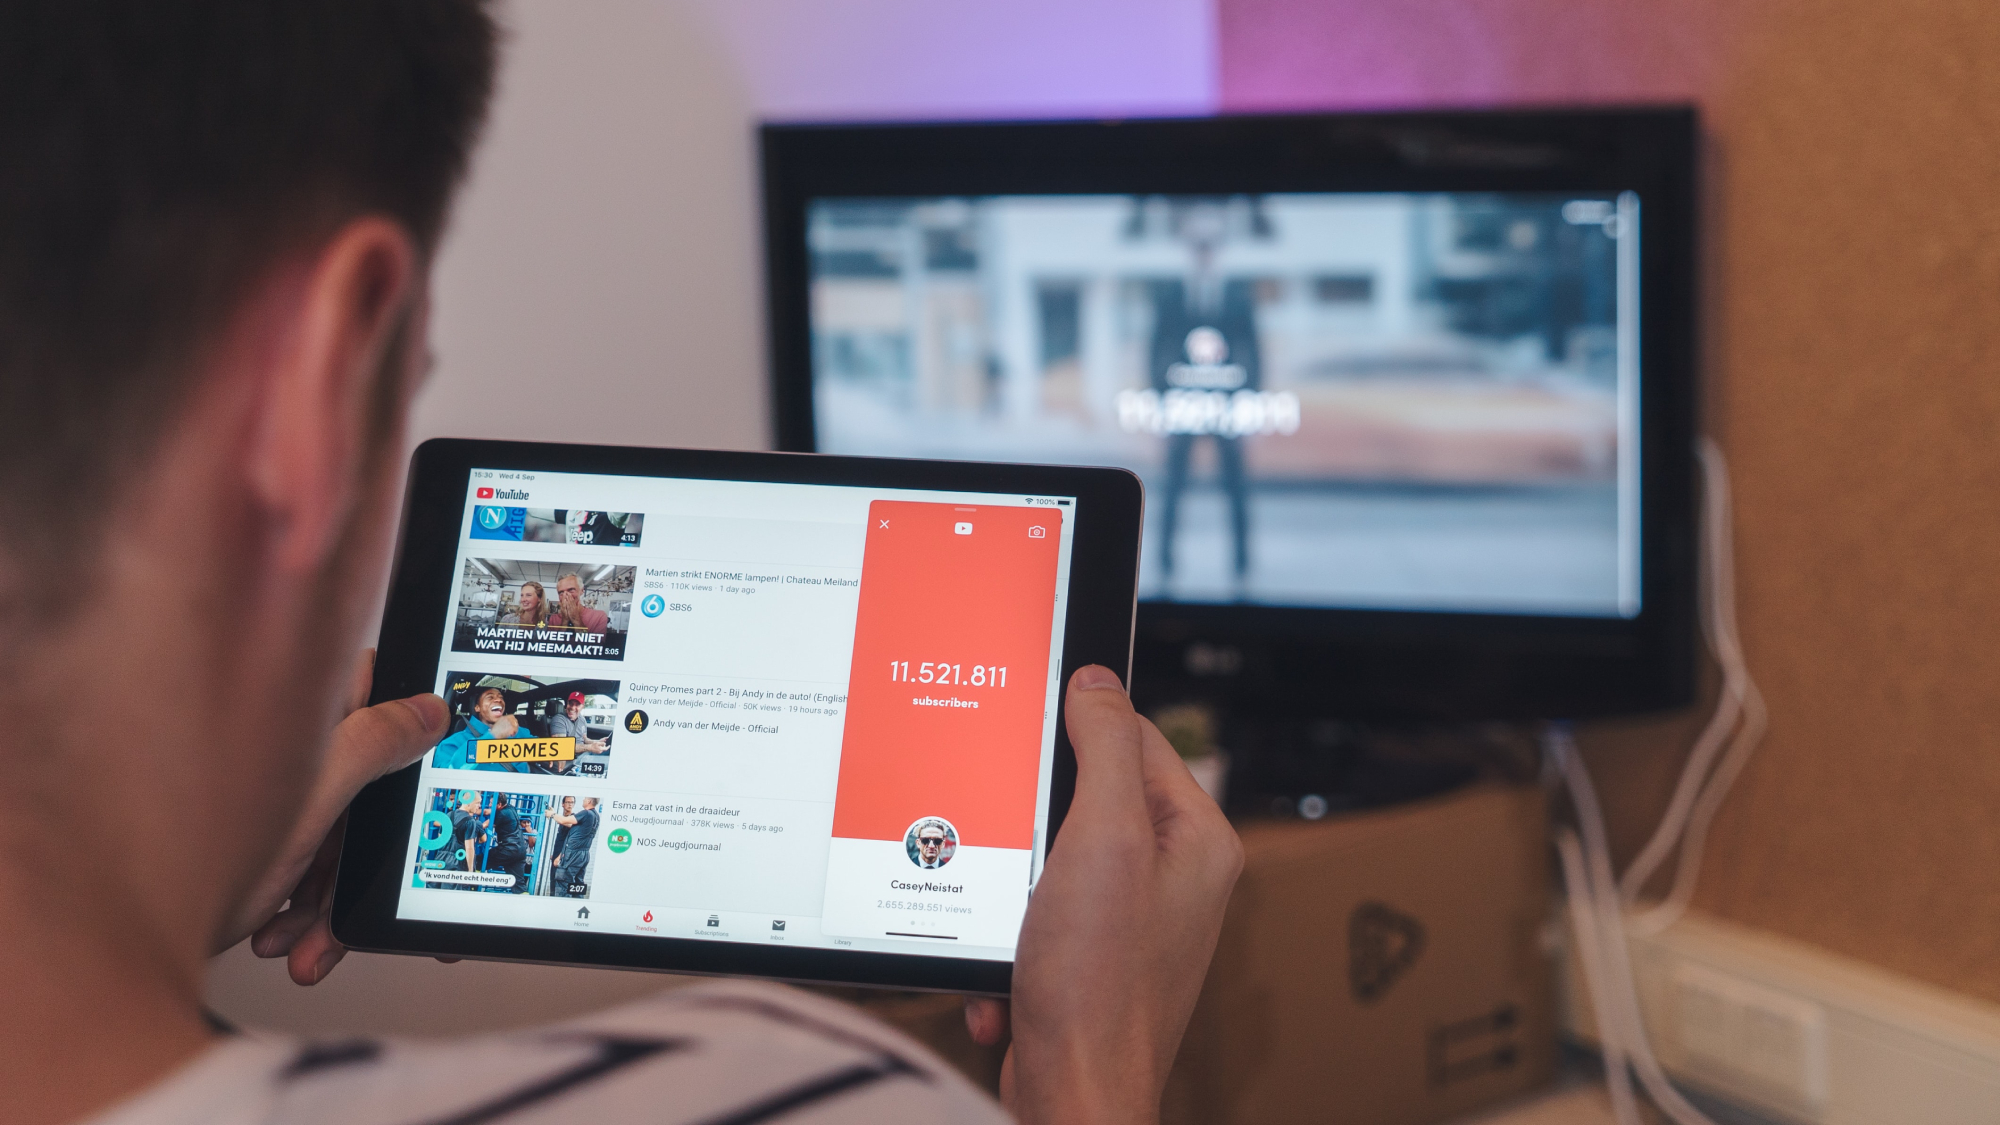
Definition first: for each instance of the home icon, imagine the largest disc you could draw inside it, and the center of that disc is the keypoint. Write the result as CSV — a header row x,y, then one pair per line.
x,y
583,911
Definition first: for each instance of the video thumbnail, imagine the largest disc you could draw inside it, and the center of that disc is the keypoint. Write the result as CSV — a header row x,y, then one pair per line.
x,y
576,526
515,607
528,724
506,843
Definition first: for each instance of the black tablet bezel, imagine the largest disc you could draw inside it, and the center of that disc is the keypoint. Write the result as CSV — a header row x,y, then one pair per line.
x,y
1098,630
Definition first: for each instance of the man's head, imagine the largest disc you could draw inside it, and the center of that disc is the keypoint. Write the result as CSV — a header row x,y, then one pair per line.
x,y
569,591
491,706
590,802
573,706
568,805
216,227
164,162
468,799
930,840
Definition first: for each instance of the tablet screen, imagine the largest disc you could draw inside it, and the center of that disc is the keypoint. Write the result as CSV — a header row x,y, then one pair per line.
x,y
813,715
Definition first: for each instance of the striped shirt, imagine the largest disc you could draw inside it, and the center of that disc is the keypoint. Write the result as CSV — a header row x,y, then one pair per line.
x,y
731,1053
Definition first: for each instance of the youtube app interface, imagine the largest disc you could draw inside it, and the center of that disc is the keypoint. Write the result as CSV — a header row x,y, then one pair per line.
x,y
773,713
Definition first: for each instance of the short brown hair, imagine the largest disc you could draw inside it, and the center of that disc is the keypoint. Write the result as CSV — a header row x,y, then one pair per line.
x,y
161,157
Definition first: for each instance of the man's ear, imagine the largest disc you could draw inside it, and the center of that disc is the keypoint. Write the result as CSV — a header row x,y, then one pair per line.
x,y
348,307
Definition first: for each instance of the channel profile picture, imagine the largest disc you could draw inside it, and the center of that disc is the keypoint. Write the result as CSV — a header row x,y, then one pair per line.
x,y
526,607
491,842
528,724
931,842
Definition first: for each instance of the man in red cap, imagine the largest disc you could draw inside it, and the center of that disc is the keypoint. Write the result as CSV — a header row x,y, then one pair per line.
x,y
570,724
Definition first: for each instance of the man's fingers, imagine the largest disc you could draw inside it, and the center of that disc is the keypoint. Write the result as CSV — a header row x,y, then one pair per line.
x,y
310,900
1169,783
276,937
386,737
1185,818
315,955
986,1018
363,679
1104,732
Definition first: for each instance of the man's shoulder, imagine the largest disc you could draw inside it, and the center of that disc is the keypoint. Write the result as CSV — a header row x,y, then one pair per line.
x,y
722,1051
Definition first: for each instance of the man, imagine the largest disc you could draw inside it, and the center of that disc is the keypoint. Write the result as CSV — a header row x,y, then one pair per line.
x,y
1205,341
570,724
573,613
216,234
468,829
573,862
562,829
930,845
509,852
531,609
491,717
594,529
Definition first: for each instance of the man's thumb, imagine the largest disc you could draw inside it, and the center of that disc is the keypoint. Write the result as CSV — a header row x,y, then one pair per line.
x,y
389,736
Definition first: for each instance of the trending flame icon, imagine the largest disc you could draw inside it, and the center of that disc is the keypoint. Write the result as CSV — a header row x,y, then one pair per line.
x,y
648,917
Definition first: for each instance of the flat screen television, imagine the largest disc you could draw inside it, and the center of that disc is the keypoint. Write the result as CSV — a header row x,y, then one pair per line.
x,y
1412,394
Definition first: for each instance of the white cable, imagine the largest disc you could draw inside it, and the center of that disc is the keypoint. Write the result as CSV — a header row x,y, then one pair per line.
x,y
1688,869
1701,791
1610,1043
1614,991
1597,899
1718,622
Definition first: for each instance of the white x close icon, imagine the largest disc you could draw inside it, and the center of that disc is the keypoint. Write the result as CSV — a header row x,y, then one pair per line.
x,y
885,523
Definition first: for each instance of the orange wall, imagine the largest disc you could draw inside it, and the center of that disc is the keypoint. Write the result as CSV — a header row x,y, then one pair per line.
x,y
1853,375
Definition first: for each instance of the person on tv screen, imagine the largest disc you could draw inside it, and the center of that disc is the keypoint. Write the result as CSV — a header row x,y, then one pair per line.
x,y
572,862
569,724
490,717
572,613
563,823
1205,341
930,846
532,608
217,235
594,529
510,843
468,828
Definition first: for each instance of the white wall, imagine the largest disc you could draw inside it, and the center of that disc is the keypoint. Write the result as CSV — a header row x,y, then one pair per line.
x,y
600,282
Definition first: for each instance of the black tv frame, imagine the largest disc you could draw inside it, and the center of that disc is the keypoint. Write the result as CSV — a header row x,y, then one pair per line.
x,y
1379,665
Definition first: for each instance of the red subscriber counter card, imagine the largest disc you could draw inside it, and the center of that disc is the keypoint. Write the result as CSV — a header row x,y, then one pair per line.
x,y
934,811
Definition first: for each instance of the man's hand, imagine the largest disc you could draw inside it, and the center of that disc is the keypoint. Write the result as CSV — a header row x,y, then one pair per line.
x,y
1120,930
369,742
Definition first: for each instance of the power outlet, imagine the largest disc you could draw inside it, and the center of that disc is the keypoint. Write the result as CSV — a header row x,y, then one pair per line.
x,y
1735,1032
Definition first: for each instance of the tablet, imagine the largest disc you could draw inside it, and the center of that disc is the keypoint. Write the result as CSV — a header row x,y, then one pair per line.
x,y
762,714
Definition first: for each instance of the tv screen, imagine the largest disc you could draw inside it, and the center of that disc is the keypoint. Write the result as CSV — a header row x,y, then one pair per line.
x,y
1368,400
1412,394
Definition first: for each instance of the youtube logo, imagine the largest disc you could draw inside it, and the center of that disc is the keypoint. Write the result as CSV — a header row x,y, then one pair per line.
x,y
486,494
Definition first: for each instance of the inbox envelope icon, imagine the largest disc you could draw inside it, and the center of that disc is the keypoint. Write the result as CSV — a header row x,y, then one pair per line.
x,y
1036,532
961,528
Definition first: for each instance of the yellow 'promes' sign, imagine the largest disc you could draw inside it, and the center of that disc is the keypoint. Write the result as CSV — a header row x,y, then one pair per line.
x,y
505,750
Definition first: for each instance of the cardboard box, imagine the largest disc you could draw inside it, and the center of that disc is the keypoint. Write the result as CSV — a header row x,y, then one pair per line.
x,y
1385,968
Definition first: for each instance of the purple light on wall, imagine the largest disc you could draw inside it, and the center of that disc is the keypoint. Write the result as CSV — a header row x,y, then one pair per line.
x,y
1312,54
859,59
